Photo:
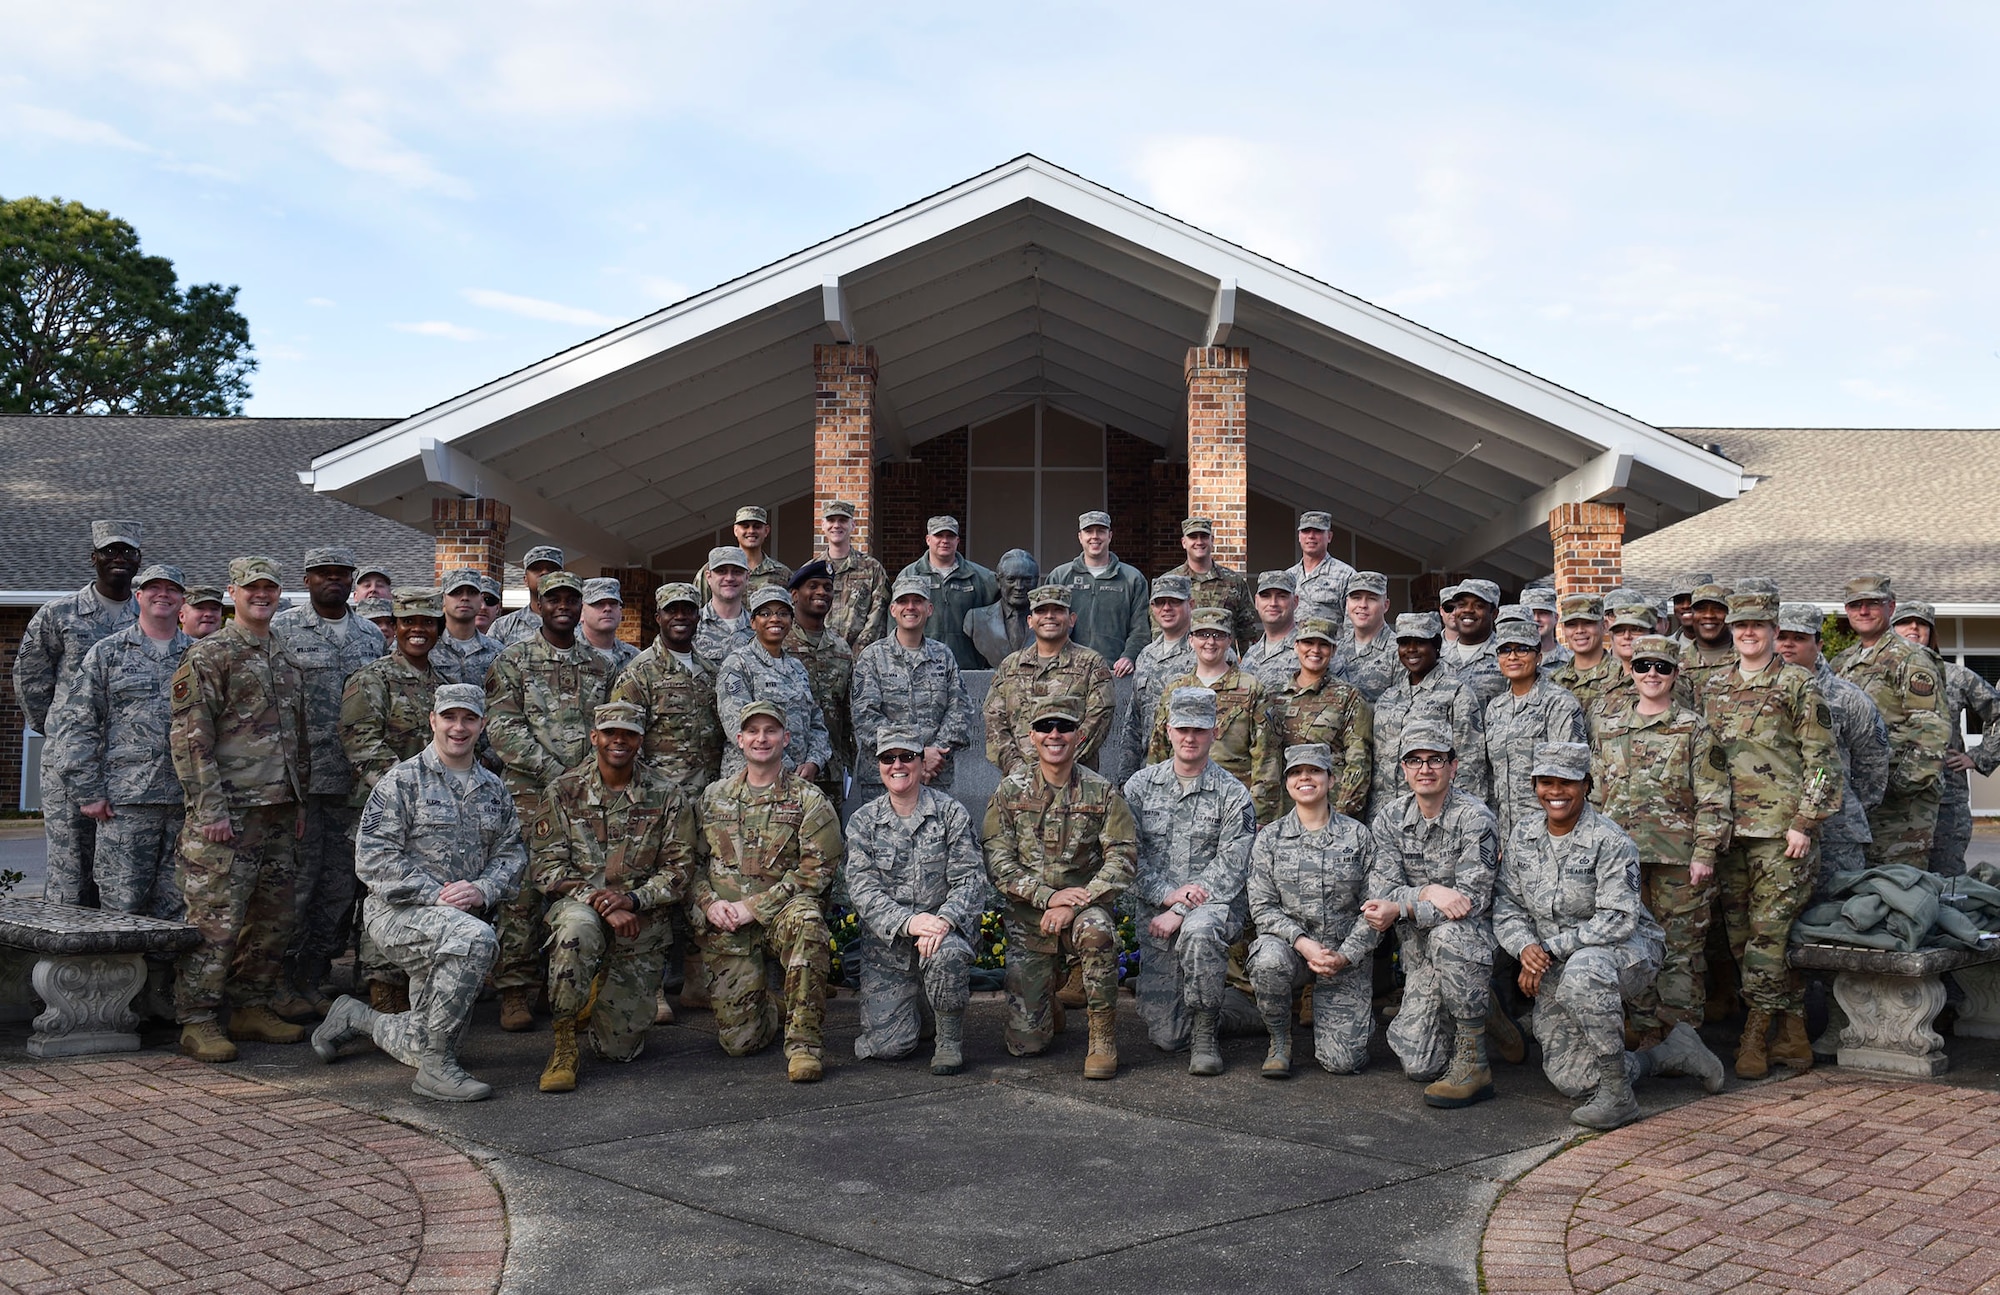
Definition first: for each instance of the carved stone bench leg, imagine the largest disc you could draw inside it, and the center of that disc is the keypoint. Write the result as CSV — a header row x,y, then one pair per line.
x,y
1889,1023
1979,1014
89,1000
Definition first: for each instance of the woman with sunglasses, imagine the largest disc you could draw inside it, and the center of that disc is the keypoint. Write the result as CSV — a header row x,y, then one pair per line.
x,y
1529,711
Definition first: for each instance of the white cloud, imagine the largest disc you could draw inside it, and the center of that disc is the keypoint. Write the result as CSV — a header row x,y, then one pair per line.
x,y
67,128
553,312
1246,191
441,328
664,292
321,302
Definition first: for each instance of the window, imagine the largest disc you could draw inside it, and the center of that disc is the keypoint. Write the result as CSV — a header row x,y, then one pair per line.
x,y
1029,474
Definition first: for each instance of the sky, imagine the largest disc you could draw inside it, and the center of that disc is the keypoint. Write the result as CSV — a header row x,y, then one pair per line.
x,y
1700,214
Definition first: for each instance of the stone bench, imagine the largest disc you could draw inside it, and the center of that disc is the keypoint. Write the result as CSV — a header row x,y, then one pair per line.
x,y
89,964
1892,999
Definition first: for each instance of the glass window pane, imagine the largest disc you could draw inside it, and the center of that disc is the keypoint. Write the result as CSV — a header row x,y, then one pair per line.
x,y
1006,442
1070,442
1001,514
1064,495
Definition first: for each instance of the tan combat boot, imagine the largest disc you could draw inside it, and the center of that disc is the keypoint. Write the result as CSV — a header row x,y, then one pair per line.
x,y
663,1008
260,1024
1071,993
203,1041
1101,1062
1468,1079
1752,1059
694,982
803,1068
559,1076
517,1012
1791,1047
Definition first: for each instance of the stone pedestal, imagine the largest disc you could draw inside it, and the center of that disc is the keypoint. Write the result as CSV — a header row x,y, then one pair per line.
x,y
89,1004
1892,1000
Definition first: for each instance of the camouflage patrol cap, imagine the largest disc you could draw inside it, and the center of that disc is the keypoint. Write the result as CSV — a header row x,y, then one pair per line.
x,y
1513,612
1425,735
1757,585
104,534
1657,647
1915,610
1749,608
1519,634
1710,592
896,739
1368,582
1209,620
248,571
1485,590
680,591
1420,625
1568,760
199,594
489,587
837,508
765,707
1177,588
752,513
162,571
1689,583
1315,627
1284,580
1868,589
1315,520
1062,706
1197,526
555,580
1095,517
416,600
728,555
460,578
362,569
1043,595
1582,607
543,554
1632,618
765,595
942,524
1191,708
457,696
628,715
1309,755
909,587
374,609
1800,618
1539,598
329,555
599,589
817,569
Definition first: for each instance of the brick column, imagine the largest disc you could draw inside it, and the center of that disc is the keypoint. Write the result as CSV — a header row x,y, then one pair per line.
x,y
1589,545
636,586
844,437
471,533
1218,414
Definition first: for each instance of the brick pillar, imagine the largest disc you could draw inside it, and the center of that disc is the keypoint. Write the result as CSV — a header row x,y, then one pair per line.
x,y
844,437
636,585
1589,545
471,533
1218,415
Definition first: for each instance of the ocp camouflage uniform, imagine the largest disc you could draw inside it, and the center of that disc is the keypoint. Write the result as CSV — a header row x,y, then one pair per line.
x,y
424,827
1477,667
1698,662
715,638
860,611
1228,589
1515,726
1862,740
1447,963
1039,840
1663,779
1246,736
464,660
753,674
539,702
1590,687
639,839
1440,699
897,690
385,718
1905,684
1339,716
1159,662
240,747
52,648
1775,734
1323,590
1312,884
683,741
776,849
896,868
1197,835
107,737
829,664
1578,897
1027,677
1964,692
1371,668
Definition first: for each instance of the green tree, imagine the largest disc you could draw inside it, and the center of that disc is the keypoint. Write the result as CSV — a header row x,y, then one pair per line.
x,y
89,324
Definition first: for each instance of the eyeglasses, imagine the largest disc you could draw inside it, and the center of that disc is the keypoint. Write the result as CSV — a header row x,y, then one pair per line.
x,y
899,757
1649,666
1054,726
1516,649
1425,761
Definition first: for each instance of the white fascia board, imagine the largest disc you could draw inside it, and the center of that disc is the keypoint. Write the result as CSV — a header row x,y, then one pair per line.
x,y
1968,610
33,597
1609,471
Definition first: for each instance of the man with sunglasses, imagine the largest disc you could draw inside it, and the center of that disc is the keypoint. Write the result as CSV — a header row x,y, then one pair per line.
x,y
489,610
917,881
1061,847
1427,691
463,654
1528,712
1052,666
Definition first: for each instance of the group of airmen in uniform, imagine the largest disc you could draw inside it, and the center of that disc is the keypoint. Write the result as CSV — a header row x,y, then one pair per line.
x,y
531,804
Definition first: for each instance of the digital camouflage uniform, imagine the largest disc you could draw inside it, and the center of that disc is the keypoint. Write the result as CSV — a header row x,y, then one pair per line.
x,y
1160,662
860,611
1227,589
1338,715
424,827
1578,897
1272,664
829,664
1323,590
1039,840
919,692
954,593
1195,835
776,849
1312,884
52,648
639,839
1438,698
1246,736
539,701
1027,677
1477,668
753,674
1906,685
715,638
896,868
683,741
385,718
464,660
241,752
517,626
1370,668
767,571
1964,693
107,734
1863,742
1447,964
1515,726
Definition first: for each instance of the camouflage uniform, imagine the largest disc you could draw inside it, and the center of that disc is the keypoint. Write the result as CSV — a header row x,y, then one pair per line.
x,y
753,674
916,692
539,701
1663,779
1371,668
1273,664
860,611
1906,685
1477,668
464,660
1578,897
1437,698
1312,883
1515,726
385,718
1323,590
1964,692
776,849
1201,835
1039,840
517,626
896,868
424,827
52,648
683,733
1447,964
954,593
619,655
1333,713
1228,589
241,752
1246,736
1863,742
107,734
768,571
829,664
1698,662
1160,662
638,839
1027,677
715,638
1599,684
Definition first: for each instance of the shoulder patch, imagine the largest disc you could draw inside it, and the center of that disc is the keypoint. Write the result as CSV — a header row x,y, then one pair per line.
x,y
1721,761
1922,683
1823,715
541,827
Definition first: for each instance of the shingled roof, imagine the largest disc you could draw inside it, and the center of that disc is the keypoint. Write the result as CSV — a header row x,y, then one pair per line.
x,y
206,490
1832,503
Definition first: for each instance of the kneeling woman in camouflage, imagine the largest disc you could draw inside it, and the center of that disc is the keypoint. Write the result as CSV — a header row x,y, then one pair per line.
x,y
1567,906
1309,873
916,878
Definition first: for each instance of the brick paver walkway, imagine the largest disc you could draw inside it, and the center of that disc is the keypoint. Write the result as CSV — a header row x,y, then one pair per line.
x,y
1821,1184
152,1174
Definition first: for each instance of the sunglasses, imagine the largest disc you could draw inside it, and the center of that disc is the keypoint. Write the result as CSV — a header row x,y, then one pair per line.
x,y
1650,666
490,600
1054,726
1425,761
899,757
